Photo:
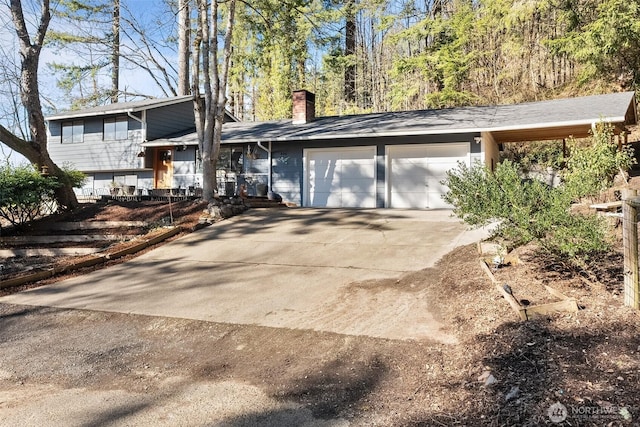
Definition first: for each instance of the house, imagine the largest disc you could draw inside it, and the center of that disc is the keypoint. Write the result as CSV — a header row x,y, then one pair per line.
x,y
105,143
394,160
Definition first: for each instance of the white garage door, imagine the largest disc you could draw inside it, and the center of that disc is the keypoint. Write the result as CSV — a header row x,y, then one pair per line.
x,y
341,177
414,173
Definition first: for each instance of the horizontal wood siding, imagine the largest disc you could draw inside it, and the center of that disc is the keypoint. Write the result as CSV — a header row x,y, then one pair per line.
x,y
169,120
184,168
287,172
95,154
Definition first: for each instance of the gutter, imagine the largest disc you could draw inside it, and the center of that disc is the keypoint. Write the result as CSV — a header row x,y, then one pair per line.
x,y
268,150
142,121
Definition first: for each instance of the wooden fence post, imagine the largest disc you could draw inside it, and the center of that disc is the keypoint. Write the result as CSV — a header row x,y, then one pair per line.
x,y
630,242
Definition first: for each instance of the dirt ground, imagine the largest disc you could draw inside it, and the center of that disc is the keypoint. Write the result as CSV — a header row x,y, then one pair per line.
x,y
157,214
503,372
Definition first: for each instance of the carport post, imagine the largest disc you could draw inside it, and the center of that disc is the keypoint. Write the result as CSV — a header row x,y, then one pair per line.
x,y
630,243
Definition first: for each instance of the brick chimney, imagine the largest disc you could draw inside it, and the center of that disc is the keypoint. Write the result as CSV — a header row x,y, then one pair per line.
x,y
304,106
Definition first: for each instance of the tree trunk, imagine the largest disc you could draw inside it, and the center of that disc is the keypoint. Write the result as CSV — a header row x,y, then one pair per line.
x,y
115,53
36,149
350,52
209,107
184,34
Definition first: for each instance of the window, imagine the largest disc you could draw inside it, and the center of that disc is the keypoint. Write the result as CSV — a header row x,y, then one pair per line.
x,y
72,132
116,128
230,159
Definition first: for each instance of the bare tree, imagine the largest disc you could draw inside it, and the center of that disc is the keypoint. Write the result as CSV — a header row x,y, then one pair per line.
x,y
209,107
184,35
115,53
35,149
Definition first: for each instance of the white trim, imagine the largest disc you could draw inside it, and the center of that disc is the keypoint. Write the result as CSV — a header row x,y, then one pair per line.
x,y
432,131
306,196
532,126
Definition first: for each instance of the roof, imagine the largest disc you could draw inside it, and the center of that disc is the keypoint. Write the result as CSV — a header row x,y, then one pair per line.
x,y
126,107
555,119
121,107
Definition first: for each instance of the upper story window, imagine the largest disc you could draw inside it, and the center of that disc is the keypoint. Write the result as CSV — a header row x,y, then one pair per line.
x,y
116,128
72,132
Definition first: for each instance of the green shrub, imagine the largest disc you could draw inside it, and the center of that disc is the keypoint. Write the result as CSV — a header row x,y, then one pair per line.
x,y
541,154
591,169
481,197
72,177
525,210
24,193
578,237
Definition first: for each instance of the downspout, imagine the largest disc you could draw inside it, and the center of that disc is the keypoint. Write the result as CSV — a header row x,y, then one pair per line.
x,y
143,122
268,150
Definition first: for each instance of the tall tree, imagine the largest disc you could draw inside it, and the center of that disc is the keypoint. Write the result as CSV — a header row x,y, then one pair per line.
x,y
350,51
184,37
210,94
115,52
91,30
35,148
606,39
270,54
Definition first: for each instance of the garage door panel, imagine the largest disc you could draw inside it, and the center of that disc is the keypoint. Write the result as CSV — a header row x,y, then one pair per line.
x,y
407,174
323,181
439,170
447,152
361,170
436,201
325,200
409,200
357,200
435,186
341,177
416,172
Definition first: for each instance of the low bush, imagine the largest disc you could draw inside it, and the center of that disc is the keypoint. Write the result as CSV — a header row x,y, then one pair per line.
x,y
25,194
524,209
527,209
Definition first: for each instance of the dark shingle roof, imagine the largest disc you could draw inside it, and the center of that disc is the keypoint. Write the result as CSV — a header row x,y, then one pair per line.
x,y
120,107
617,108
127,107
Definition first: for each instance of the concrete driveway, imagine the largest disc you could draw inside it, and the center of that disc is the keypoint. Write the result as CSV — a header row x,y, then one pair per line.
x,y
292,268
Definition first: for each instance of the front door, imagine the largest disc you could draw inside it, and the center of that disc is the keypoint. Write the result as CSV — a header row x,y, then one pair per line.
x,y
163,168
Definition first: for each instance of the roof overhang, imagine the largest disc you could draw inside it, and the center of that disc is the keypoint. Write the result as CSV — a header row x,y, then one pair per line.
x,y
556,132
570,128
545,120
120,108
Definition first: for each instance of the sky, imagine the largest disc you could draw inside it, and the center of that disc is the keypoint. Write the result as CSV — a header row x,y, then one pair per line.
x,y
146,11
